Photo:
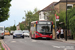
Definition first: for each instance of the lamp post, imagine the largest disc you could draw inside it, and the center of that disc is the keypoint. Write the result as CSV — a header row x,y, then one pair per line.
x,y
25,15
14,22
66,22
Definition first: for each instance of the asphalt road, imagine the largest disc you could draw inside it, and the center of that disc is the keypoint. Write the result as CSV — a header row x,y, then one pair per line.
x,y
36,44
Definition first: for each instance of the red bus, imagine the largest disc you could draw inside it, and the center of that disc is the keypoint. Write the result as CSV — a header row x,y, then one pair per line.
x,y
41,29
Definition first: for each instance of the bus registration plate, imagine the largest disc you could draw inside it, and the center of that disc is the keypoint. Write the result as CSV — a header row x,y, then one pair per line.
x,y
43,37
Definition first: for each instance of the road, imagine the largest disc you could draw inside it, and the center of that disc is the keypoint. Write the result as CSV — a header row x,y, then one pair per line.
x,y
36,44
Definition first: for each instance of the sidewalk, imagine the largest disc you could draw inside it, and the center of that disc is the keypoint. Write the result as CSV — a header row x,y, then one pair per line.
x,y
68,41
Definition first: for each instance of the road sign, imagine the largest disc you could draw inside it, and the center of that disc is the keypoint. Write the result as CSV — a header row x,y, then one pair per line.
x,y
57,18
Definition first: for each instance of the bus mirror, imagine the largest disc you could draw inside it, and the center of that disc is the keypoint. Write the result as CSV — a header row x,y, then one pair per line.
x,y
53,26
34,25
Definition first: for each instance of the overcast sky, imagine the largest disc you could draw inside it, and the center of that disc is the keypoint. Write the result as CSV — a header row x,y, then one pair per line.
x,y
18,7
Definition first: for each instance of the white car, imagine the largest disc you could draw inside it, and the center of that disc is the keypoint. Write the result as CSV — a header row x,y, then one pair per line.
x,y
2,32
11,32
26,33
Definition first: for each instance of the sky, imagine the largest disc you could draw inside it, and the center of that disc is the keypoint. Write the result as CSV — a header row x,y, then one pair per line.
x,y
19,6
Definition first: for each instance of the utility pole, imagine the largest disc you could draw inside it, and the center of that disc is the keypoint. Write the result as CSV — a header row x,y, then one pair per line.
x,y
55,26
14,22
66,22
25,14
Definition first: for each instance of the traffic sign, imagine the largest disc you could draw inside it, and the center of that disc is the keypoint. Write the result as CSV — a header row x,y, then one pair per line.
x,y
57,18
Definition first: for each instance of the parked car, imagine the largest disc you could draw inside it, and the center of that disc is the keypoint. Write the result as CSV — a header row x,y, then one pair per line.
x,y
11,32
6,32
18,33
26,33
2,32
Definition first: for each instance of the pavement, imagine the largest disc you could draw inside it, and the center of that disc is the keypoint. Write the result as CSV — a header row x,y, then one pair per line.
x,y
35,44
68,41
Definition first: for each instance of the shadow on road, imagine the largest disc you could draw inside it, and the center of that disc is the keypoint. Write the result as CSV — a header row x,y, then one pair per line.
x,y
45,39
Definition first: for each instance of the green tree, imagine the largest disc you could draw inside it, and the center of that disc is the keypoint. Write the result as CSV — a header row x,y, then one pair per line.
x,y
4,9
31,16
51,15
22,26
11,28
8,28
62,19
72,26
71,18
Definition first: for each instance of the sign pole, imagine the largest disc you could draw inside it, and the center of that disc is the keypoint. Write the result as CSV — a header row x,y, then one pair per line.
x,y
55,26
66,22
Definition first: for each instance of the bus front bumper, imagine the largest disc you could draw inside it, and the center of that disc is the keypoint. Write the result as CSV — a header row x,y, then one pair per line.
x,y
44,36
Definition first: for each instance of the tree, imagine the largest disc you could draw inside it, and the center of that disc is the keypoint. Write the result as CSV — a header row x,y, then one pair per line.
x,y
71,21
22,27
31,16
72,26
11,28
4,9
62,19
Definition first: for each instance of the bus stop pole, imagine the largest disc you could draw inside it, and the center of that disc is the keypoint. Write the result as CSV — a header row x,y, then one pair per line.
x,y
55,26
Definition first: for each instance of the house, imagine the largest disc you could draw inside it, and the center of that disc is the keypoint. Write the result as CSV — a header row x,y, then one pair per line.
x,y
61,5
44,12
18,27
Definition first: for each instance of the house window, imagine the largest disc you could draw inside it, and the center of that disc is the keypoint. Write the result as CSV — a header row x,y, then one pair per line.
x,y
69,6
40,15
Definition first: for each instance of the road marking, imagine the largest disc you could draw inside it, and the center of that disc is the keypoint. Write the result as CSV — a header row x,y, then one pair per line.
x,y
34,41
4,45
65,49
7,46
13,41
56,46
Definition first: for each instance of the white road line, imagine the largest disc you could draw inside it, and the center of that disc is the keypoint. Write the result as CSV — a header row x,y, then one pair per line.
x,y
56,46
13,41
65,49
34,41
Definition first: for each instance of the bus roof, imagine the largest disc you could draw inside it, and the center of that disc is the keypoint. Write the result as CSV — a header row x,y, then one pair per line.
x,y
33,21
1,26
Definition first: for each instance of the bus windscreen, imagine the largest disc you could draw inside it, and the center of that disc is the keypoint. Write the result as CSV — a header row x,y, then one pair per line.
x,y
44,28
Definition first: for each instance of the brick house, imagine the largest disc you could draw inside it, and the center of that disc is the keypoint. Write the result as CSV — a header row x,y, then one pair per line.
x,y
61,5
44,12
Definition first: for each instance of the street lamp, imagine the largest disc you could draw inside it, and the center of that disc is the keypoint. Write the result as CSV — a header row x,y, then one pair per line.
x,y
14,22
66,22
